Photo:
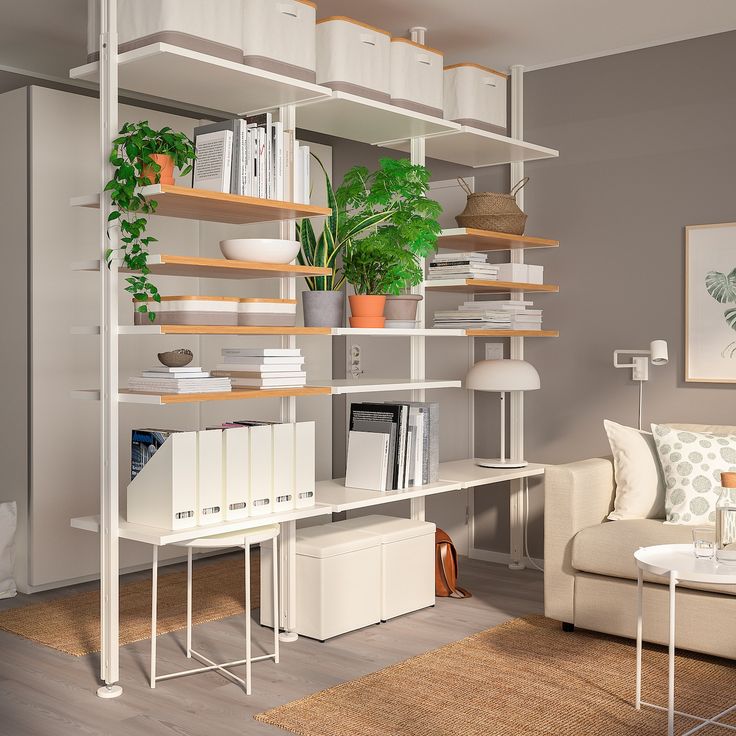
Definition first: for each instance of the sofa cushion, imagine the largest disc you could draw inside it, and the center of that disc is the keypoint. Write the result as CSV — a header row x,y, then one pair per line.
x,y
608,549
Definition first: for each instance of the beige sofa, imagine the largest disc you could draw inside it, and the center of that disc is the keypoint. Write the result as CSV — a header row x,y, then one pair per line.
x,y
590,574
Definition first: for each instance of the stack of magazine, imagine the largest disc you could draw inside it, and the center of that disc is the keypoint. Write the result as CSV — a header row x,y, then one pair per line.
x,y
262,368
250,156
491,315
462,266
392,446
186,380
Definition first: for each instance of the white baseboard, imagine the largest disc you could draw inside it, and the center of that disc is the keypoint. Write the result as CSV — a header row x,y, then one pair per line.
x,y
500,558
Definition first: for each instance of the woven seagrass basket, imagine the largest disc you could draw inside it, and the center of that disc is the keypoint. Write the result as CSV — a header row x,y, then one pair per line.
x,y
493,211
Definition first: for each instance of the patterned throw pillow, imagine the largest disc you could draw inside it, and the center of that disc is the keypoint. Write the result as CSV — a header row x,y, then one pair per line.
x,y
692,463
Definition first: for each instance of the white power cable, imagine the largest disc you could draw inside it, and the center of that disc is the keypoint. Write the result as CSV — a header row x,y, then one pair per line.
x,y
526,527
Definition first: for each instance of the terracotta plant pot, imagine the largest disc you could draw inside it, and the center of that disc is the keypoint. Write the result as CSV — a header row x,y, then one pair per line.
x,y
166,175
367,310
402,306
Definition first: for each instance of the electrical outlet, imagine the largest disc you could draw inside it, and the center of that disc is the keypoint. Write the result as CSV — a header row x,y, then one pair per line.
x,y
355,364
494,351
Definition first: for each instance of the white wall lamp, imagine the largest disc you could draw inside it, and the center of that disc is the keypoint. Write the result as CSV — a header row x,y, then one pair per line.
x,y
639,365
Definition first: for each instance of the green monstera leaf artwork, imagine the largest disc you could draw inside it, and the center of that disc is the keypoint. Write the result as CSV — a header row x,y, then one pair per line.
x,y
722,287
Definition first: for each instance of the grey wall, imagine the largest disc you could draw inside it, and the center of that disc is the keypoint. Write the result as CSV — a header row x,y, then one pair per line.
x,y
646,143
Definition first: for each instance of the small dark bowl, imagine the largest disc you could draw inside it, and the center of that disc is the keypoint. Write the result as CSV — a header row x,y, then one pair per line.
x,y
176,358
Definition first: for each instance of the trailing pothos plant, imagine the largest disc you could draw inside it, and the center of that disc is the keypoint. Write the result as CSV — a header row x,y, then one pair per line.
x,y
131,155
722,287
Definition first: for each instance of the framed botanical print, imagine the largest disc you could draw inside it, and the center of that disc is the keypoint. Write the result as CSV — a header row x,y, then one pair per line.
x,y
710,296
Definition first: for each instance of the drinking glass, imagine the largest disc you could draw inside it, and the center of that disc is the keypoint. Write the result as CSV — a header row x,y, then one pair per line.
x,y
704,541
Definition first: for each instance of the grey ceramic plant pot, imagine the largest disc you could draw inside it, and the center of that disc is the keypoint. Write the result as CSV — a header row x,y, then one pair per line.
x,y
402,306
323,308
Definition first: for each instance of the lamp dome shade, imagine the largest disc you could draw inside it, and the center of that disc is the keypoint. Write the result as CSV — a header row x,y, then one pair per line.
x,y
502,375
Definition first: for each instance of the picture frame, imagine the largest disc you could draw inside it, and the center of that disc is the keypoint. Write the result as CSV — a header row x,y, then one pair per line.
x,y
710,303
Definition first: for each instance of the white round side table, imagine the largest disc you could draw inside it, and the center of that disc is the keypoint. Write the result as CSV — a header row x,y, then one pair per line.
x,y
678,563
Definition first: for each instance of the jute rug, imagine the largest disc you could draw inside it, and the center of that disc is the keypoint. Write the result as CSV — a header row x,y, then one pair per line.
x,y
524,677
71,624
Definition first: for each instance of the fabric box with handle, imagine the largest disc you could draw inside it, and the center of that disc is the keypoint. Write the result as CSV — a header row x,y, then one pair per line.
x,y
190,310
256,312
354,57
407,561
208,28
279,36
416,77
476,95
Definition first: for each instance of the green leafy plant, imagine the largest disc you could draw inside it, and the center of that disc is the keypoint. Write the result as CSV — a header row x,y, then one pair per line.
x,y
722,287
373,266
131,155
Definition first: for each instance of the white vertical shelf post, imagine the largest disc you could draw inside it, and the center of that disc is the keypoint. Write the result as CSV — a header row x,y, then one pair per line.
x,y
418,344
516,499
287,290
109,537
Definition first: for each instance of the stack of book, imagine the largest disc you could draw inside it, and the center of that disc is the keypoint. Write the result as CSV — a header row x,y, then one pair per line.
x,y
248,156
262,368
491,315
392,446
186,380
462,266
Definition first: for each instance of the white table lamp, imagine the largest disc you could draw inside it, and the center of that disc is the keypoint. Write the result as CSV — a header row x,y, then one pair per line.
x,y
502,376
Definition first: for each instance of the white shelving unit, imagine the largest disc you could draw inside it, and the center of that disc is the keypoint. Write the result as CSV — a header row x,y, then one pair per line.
x,y
203,81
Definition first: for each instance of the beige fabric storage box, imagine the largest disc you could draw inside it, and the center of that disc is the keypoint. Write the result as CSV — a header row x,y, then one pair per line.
x,y
416,77
267,312
339,574
407,561
213,28
476,95
279,36
191,310
354,57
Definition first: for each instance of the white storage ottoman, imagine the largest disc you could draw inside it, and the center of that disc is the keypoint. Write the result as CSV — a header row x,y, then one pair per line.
x,y
354,57
407,561
338,581
213,28
279,36
416,77
476,95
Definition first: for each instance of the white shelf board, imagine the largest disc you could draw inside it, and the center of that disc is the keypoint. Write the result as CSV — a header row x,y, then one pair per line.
x,y
356,118
340,498
474,147
391,332
340,386
174,73
470,475
155,535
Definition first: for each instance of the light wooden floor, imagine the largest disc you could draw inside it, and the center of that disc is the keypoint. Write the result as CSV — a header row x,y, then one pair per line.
x,y
46,693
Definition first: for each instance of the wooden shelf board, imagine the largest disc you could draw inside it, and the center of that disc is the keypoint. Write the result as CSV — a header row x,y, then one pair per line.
x,y
480,286
175,73
356,118
476,148
200,204
472,239
143,397
218,330
512,333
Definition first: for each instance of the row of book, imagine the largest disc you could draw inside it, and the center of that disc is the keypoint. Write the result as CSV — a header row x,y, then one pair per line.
x,y
392,445
491,315
262,368
186,380
461,266
251,156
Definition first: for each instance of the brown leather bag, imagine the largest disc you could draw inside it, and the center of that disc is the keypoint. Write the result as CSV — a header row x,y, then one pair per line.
x,y
445,568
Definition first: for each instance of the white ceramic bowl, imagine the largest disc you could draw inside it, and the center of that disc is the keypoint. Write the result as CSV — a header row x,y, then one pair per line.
x,y
260,250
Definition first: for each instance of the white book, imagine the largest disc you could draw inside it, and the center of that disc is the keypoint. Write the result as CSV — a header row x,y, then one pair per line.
x,y
236,471
267,374
283,467
261,470
298,195
278,159
174,376
262,164
231,360
262,352
253,159
214,161
268,382
181,369
304,464
367,460
243,160
209,477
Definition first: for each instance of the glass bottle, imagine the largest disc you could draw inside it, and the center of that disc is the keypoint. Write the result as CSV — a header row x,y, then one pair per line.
x,y
726,520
